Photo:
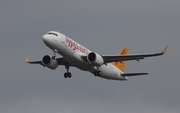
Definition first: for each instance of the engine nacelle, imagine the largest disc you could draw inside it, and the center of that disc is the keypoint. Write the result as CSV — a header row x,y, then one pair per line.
x,y
95,59
49,62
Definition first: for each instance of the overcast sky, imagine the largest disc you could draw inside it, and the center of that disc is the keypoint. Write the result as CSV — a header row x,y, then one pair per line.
x,y
103,26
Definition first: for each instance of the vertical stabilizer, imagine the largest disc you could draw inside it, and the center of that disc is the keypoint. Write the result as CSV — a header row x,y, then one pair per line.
x,y
118,64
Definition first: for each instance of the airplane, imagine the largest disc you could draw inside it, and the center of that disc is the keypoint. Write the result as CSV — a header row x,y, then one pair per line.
x,y
73,54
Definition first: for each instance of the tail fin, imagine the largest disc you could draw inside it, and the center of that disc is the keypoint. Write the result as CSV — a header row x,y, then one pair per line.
x,y
120,65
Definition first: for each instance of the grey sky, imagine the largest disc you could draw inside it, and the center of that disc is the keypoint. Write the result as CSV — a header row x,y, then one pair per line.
x,y
105,27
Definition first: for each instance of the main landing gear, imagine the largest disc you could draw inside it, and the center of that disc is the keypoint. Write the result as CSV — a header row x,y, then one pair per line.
x,y
97,73
68,74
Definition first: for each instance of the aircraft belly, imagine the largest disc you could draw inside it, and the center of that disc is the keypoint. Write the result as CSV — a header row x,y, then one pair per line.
x,y
74,58
82,65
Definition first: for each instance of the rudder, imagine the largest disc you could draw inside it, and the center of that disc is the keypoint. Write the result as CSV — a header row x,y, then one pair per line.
x,y
120,65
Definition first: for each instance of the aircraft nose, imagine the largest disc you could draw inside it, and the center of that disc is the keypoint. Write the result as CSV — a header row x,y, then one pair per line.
x,y
45,38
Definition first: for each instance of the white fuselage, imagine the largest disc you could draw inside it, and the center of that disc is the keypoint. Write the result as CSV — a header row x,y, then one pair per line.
x,y
72,52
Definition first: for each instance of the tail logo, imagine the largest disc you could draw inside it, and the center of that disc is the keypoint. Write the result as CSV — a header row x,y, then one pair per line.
x,y
120,65
123,52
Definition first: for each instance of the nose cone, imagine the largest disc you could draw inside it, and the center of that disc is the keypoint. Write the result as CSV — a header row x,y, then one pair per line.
x,y
45,38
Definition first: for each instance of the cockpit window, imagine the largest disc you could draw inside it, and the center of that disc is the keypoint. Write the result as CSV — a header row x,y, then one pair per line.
x,y
53,34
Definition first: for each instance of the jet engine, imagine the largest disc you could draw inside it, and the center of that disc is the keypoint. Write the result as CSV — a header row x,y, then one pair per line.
x,y
49,62
95,59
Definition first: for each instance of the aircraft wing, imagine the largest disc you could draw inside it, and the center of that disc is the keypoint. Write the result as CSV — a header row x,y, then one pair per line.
x,y
120,58
61,61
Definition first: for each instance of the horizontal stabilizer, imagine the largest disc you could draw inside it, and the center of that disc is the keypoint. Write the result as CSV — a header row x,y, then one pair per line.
x,y
133,74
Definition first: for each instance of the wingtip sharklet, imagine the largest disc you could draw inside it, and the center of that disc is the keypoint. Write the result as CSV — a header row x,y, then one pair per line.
x,y
28,58
165,49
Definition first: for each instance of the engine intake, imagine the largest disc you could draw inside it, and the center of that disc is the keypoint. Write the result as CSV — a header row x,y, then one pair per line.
x,y
49,62
95,59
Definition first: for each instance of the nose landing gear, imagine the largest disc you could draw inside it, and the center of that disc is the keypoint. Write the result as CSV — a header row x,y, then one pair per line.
x,y
54,51
67,74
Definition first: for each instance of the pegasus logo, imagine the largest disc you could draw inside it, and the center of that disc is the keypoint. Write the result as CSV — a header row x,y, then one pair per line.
x,y
75,46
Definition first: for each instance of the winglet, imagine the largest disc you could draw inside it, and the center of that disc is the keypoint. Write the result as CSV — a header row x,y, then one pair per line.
x,y
28,58
165,49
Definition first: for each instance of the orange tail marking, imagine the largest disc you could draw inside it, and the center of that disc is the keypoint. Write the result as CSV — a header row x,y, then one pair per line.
x,y
120,65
